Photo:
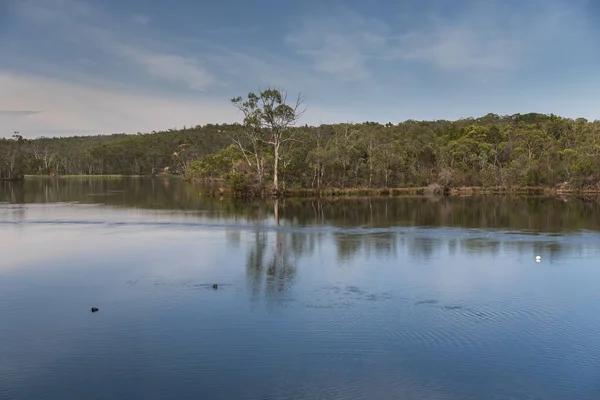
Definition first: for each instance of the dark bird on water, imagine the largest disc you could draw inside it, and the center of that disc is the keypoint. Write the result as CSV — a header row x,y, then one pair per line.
x,y
94,309
215,286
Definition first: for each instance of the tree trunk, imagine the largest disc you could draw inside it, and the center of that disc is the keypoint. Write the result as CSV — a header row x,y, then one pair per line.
x,y
370,159
387,174
276,167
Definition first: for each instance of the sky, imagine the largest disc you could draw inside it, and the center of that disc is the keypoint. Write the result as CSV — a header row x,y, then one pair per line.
x,y
81,67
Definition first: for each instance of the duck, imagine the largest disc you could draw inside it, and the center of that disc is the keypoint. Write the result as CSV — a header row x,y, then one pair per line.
x,y
94,309
215,286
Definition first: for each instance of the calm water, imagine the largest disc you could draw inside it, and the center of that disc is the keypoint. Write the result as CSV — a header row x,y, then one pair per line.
x,y
404,298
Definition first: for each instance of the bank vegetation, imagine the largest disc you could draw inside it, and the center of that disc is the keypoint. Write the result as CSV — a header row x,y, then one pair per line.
x,y
271,153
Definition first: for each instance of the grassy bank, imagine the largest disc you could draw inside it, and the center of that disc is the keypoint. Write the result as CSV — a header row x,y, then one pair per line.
x,y
98,176
415,191
423,191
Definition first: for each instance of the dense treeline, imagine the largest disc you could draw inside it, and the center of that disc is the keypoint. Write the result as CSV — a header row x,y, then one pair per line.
x,y
508,151
11,158
517,150
119,154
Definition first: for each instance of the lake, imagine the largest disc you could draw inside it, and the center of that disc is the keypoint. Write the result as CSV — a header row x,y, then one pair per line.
x,y
388,298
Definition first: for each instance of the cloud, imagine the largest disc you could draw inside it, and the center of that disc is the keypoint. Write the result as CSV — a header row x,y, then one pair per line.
x,y
133,80
81,109
350,45
457,48
18,113
141,19
79,22
480,37
490,37
105,46
341,45
86,109
54,10
170,67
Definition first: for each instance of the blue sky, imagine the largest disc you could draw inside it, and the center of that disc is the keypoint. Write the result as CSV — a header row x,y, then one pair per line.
x,y
86,67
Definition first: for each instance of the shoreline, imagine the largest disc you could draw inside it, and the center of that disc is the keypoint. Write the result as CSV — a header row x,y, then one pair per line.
x,y
332,192
109,176
423,191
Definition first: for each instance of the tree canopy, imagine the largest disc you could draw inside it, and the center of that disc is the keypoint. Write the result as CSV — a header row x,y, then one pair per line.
x,y
267,122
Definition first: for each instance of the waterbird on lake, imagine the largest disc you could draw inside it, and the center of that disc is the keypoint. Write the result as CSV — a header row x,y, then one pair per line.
x,y
538,258
215,286
94,309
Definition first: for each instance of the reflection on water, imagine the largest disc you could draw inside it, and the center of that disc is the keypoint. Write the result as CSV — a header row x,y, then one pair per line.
x,y
521,213
270,266
347,299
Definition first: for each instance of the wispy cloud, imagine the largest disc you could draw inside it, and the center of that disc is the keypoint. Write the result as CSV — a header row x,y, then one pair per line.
x,y
343,44
457,48
483,37
168,61
171,67
141,19
78,21
489,37
83,110
91,102
18,113
72,108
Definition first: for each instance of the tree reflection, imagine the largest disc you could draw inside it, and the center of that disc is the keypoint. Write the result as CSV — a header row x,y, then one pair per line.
x,y
481,245
535,213
381,244
347,245
234,237
271,262
287,229
273,256
423,247
14,193
270,266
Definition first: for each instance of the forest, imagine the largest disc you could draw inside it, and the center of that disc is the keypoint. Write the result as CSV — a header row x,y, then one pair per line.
x,y
268,152
119,154
492,151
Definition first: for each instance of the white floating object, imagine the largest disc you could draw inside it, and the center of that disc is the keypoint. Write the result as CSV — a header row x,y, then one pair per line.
x,y
538,259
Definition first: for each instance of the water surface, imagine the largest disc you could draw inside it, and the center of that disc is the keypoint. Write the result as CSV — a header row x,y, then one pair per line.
x,y
399,298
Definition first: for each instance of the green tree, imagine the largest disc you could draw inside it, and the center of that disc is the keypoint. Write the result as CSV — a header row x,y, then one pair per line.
x,y
268,119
